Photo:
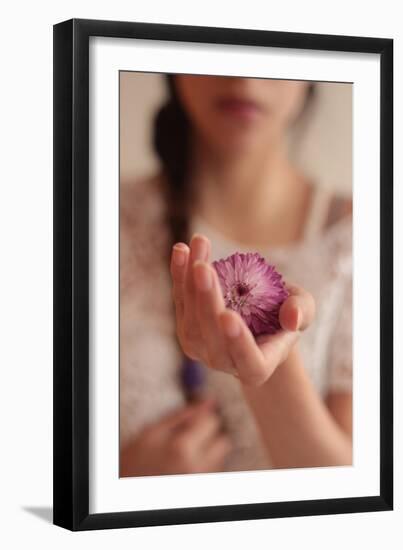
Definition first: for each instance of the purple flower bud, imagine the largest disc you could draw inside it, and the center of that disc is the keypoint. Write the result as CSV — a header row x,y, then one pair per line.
x,y
254,289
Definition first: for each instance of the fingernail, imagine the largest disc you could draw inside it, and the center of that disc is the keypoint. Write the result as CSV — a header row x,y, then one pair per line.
x,y
231,327
179,256
203,277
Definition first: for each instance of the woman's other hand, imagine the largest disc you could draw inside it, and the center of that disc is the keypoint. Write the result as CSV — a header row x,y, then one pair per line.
x,y
217,336
190,440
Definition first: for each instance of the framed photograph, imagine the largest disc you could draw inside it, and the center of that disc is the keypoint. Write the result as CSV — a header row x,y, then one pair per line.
x,y
223,274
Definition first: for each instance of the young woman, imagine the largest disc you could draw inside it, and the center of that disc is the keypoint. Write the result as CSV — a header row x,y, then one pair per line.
x,y
227,184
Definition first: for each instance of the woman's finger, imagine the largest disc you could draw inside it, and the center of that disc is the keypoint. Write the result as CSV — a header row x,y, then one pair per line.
x,y
201,430
298,310
199,250
216,453
179,263
209,304
182,417
246,355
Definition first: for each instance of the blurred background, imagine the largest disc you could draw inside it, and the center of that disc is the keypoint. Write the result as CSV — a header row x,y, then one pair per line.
x,y
320,143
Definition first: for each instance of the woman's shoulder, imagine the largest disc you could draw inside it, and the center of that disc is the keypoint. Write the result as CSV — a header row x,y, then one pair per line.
x,y
141,198
340,207
326,249
337,239
338,222
143,235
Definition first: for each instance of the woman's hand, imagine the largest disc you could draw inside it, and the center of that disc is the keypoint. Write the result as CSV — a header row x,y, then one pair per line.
x,y
190,440
218,336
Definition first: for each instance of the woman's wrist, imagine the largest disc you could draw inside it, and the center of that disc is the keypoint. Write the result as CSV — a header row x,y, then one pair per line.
x,y
292,361
297,428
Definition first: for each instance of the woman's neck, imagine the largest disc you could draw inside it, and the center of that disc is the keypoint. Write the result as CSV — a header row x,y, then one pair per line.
x,y
254,197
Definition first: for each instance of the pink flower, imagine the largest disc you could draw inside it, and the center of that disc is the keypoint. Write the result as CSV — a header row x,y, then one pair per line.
x,y
254,289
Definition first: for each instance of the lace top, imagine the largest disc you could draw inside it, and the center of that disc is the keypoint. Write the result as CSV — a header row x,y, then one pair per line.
x,y
150,357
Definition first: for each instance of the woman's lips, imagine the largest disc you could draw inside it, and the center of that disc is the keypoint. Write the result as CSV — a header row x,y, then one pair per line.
x,y
242,108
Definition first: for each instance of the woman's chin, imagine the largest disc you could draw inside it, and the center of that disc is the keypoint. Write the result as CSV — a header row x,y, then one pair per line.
x,y
243,145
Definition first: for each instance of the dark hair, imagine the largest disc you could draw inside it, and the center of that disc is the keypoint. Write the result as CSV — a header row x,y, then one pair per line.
x,y
171,138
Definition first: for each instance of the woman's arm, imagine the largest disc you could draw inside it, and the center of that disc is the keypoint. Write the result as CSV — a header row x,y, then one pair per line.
x,y
296,425
340,404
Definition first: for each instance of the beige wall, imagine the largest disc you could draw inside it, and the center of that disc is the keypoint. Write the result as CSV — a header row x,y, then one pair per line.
x,y
324,152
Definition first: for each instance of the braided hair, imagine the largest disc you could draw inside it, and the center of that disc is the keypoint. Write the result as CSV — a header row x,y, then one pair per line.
x,y
171,142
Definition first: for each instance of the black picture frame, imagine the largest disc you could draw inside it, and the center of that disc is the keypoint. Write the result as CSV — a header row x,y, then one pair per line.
x,y
71,273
